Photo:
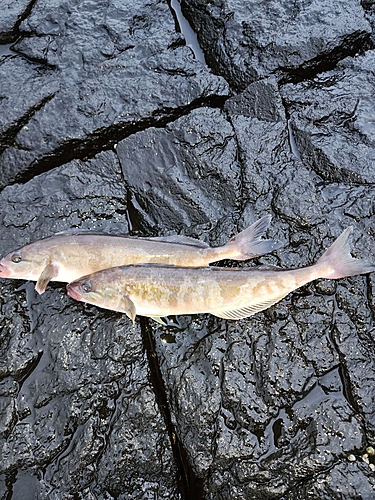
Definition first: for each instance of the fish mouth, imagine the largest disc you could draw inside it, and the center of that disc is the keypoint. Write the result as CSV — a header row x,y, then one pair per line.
x,y
72,292
4,271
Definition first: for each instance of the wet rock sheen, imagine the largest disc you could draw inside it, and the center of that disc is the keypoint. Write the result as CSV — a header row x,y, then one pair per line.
x,y
108,122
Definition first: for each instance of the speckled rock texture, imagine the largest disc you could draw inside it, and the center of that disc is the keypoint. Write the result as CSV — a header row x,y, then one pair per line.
x,y
108,122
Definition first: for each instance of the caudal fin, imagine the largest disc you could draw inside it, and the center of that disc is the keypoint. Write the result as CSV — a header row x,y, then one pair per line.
x,y
338,261
248,244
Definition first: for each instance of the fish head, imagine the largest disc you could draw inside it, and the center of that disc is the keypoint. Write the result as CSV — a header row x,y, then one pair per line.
x,y
93,290
25,263
100,289
74,291
81,289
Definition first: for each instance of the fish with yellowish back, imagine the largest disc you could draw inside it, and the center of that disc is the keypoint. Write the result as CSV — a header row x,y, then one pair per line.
x,y
158,290
67,256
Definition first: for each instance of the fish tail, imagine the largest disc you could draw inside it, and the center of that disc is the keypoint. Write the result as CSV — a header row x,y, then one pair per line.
x,y
336,262
248,243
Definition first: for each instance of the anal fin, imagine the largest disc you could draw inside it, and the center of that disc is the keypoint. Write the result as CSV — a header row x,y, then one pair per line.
x,y
245,312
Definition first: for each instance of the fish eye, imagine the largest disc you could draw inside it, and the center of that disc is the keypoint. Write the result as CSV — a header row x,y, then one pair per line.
x,y
16,258
86,286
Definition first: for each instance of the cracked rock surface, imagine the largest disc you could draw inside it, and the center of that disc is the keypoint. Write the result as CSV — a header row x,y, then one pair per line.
x,y
109,123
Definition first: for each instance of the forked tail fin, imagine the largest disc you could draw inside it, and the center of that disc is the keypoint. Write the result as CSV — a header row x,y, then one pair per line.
x,y
248,243
339,261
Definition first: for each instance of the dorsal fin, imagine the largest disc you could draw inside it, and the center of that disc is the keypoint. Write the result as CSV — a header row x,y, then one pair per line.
x,y
174,238
72,231
181,239
78,232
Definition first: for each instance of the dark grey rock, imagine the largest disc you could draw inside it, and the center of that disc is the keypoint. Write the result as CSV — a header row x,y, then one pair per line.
x,y
38,88
331,121
129,69
263,404
345,480
251,408
12,15
369,6
185,176
252,40
75,396
269,168
109,123
87,195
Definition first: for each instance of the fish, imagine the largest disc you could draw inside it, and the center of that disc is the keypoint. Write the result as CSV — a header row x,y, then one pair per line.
x,y
68,255
231,293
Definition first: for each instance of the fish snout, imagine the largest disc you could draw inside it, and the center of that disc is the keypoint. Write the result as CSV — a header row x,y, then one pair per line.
x,y
4,271
72,291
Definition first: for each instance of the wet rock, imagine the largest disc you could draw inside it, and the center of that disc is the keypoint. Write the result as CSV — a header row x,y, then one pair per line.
x,y
38,89
369,8
185,176
354,343
246,42
330,118
345,480
75,391
261,404
12,15
129,68
264,149
252,411
93,406
78,195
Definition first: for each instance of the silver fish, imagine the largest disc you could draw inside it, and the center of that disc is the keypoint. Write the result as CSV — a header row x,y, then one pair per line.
x,y
67,256
158,290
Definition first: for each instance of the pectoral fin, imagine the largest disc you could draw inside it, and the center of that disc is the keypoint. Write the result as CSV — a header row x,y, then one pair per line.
x,y
49,272
128,307
244,312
